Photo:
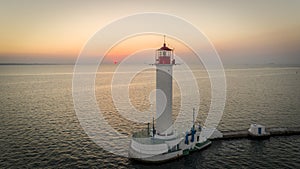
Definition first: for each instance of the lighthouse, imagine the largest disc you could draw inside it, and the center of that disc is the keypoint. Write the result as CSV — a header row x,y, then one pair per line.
x,y
162,143
164,61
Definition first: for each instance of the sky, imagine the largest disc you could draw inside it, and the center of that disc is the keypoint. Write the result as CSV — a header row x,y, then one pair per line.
x,y
243,32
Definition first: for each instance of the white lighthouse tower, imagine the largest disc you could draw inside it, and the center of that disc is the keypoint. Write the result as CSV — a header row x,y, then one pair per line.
x,y
164,61
162,143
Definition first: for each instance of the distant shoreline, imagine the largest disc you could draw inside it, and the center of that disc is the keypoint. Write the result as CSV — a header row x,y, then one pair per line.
x,y
228,66
37,64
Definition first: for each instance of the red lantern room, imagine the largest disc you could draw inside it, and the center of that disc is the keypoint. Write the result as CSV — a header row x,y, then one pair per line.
x,y
164,55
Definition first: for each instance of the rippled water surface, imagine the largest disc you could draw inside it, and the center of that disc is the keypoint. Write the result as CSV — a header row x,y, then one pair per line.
x,y
39,127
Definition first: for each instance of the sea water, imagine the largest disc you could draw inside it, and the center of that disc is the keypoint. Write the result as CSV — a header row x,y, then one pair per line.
x,y
39,127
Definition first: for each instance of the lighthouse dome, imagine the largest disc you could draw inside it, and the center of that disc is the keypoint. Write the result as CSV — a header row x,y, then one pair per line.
x,y
165,48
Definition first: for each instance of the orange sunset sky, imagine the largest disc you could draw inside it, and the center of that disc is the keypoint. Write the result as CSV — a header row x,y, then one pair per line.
x,y
243,32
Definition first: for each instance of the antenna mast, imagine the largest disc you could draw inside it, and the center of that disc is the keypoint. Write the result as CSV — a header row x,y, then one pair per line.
x,y
193,117
153,127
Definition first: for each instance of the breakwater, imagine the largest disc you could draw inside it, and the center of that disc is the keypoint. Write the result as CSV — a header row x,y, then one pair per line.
x,y
272,131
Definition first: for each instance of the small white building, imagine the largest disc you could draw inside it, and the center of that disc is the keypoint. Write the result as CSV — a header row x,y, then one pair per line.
x,y
257,130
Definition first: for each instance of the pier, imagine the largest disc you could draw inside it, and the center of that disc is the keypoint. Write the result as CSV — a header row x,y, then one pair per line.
x,y
273,131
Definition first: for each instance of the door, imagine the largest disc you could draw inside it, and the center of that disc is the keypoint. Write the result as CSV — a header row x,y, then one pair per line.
x,y
259,130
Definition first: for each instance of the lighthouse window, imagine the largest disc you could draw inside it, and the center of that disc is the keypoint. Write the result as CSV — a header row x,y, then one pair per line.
x,y
164,53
